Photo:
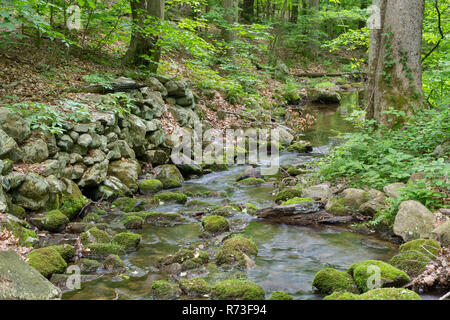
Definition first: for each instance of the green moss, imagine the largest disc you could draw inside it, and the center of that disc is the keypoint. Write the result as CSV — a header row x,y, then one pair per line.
x,y
281,295
230,257
171,197
89,265
195,287
126,204
164,219
170,176
162,289
377,294
72,203
128,240
329,280
102,250
238,290
288,194
300,147
389,275
53,221
17,211
47,261
113,262
297,200
184,254
250,208
338,207
25,236
241,244
198,204
412,262
132,222
425,246
215,224
252,182
293,171
66,251
190,264
95,235
150,186
91,217
225,211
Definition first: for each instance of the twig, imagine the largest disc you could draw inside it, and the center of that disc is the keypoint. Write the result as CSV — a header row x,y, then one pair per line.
x,y
436,5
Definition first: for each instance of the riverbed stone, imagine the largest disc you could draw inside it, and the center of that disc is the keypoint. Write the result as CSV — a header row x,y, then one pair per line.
x,y
238,290
317,192
414,221
150,186
354,198
329,280
162,289
442,233
169,175
95,175
53,221
377,294
215,224
47,261
33,193
392,190
19,281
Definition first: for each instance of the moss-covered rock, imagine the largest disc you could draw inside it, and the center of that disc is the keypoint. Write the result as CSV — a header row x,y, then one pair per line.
x,y
288,194
47,261
238,290
329,280
132,222
72,201
250,208
95,235
169,175
281,295
184,255
195,287
114,263
66,251
297,200
128,240
102,250
389,275
25,236
17,211
412,262
166,197
150,186
427,247
92,217
338,207
215,224
252,182
126,204
377,294
88,265
165,290
164,219
53,221
241,244
226,211
300,147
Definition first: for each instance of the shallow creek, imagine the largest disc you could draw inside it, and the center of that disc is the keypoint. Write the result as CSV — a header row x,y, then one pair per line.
x,y
289,256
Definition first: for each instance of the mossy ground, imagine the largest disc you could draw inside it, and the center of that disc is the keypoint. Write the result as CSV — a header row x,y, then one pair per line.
x,y
165,197
238,290
280,295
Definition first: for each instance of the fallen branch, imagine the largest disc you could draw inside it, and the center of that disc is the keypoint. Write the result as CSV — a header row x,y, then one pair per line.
x,y
319,75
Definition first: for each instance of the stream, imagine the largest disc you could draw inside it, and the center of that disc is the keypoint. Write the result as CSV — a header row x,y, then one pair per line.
x,y
288,257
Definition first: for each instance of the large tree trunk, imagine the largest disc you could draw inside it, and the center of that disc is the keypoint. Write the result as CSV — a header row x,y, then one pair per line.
x,y
141,43
231,17
395,71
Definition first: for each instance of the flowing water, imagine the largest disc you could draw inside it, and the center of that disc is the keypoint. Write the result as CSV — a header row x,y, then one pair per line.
x,y
288,257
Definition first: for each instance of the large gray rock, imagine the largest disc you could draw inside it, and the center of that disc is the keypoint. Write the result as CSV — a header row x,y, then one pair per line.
x,y
169,175
354,198
184,116
106,118
155,157
127,171
19,281
33,193
95,174
7,144
393,190
176,88
442,233
155,85
35,151
323,95
317,192
153,106
185,164
137,130
3,203
14,126
414,221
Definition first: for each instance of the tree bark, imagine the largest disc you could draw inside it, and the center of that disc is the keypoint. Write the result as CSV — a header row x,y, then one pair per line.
x,y
294,12
248,10
395,70
141,43
231,17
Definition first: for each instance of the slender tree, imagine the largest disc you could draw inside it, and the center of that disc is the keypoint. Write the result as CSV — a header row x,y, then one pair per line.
x,y
231,17
143,43
395,71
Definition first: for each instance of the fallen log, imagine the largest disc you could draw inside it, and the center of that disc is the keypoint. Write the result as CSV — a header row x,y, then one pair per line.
x,y
319,75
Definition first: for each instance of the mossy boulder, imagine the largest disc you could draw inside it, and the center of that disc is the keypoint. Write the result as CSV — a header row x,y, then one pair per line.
x,y
195,287
25,236
17,211
195,204
66,251
88,265
238,290
53,221
338,207
128,240
72,201
235,251
241,244
167,197
114,263
169,175
329,280
366,272
296,200
376,294
288,194
47,261
185,254
150,186
215,224
226,211
95,235
102,250
164,219
412,262
92,217
252,182
280,295
126,204
427,247
132,221
165,290
300,147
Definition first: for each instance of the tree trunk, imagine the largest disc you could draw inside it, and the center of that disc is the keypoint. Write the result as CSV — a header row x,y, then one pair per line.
x,y
294,12
395,70
248,10
141,43
231,17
